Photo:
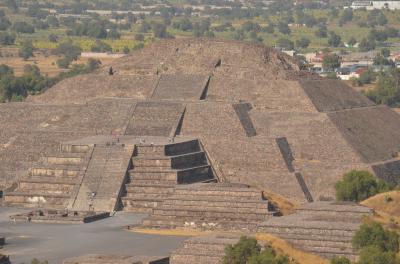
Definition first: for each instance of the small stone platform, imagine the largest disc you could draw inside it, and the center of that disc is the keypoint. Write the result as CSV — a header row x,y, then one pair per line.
x,y
59,217
116,259
212,206
322,228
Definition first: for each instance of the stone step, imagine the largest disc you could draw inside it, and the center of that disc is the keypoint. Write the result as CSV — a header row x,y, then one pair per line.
x,y
216,196
52,180
195,174
213,213
187,160
153,182
56,171
311,237
45,188
194,159
180,148
181,258
199,251
207,202
148,189
144,206
154,169
140,175
146,196
62,160
215,192
150,150
322,243
165,222
26,199
75,148
307,231
326,250
352,257
151,161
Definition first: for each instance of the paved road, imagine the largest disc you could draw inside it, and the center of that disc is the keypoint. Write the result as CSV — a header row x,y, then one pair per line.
x,y
55,242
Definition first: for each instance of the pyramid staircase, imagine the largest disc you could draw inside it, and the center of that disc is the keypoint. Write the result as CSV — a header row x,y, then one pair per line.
x,y
212,206
52,181
157,169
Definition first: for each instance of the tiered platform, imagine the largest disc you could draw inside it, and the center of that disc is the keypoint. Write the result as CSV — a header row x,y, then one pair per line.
x,y
116,259
323,228
219,206
207,249
157,169
52,181
59,217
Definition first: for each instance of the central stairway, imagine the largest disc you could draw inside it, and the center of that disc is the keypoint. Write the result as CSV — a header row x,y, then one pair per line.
x,y
157,169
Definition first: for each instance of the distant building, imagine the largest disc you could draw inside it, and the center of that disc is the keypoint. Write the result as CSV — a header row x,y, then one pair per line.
x,y
370,5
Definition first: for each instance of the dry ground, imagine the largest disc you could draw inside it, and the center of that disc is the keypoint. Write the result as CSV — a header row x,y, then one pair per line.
x,y
46,64
387,208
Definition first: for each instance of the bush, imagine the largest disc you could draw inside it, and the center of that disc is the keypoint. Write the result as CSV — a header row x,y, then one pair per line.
x,y
26,51
63,63
358,185
340,260
241,251
247,251
374,255
373,234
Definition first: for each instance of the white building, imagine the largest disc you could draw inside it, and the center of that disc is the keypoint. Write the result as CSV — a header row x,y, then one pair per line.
x,y
370,5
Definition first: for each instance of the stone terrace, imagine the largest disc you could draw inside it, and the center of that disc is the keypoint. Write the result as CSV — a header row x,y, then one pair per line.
x,y
221,206
323,228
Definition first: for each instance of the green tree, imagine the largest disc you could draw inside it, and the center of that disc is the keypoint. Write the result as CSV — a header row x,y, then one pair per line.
x,y
69,50
53,38
284,28
100,46
358,185
387,90
366,45
113,34
26,50
374,255
303,42
63,63
352,41
340,260
7,39
93,64
334,39
241,251
373,234
321,32
285,43
248,251
330,62
160,30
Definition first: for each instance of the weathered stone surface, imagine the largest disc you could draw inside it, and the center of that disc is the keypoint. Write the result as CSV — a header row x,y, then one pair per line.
x,y
219,206
156,92
116,259
323,228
